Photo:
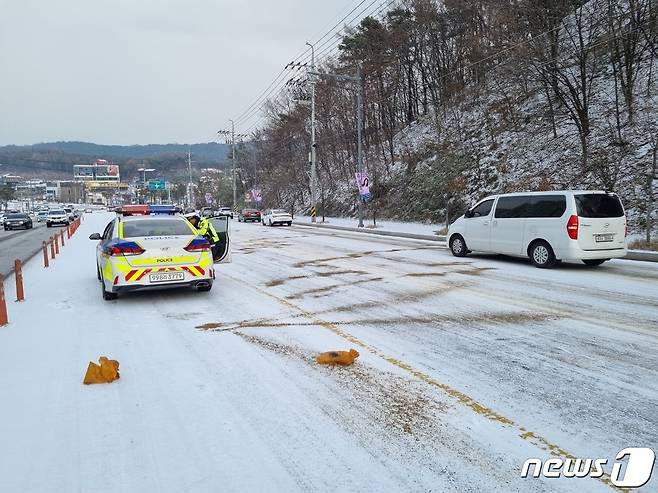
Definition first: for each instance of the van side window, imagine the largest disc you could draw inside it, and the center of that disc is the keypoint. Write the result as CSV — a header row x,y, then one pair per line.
x,y
548,206
483,209
513,206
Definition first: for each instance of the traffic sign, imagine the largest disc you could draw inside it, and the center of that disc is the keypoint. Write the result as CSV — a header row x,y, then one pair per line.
x,y
157,185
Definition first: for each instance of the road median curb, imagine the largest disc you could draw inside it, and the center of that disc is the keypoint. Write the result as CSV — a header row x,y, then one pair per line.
x,y
632,254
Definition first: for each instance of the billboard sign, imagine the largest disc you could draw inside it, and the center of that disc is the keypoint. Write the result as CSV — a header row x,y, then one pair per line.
x,y
96,172
257,195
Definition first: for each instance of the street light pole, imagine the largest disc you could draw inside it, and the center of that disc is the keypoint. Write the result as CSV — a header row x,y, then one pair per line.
x,y
144,171
359,117
313,143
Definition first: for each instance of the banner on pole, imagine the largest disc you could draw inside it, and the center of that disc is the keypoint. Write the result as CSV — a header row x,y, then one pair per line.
x,y
257,195
363,184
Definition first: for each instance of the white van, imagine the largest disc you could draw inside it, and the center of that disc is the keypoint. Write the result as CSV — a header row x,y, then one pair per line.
x,y
545,226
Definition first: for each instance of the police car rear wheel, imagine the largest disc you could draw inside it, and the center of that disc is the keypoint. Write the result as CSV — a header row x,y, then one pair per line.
x,y
107,295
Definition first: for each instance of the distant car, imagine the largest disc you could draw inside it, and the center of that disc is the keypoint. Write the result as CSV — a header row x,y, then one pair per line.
x,y
225,212
151,252
16,221
70,212
249,215
88,211
544,226
276,216
207,212
57,216
42,216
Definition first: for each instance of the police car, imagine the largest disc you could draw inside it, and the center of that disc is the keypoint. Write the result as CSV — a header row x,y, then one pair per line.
x,y
140,251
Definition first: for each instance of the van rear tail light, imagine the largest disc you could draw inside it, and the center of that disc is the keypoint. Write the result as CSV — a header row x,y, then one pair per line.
x,y
124,248
198,245
572,227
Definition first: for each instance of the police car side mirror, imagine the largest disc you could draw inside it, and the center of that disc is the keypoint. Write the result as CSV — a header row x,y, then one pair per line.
x,y
95,236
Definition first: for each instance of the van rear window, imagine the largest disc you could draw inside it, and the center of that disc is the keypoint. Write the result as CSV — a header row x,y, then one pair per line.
x,y
599,205
151,227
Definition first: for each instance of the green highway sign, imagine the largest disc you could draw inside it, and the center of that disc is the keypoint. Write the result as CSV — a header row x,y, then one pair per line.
x,y
157,185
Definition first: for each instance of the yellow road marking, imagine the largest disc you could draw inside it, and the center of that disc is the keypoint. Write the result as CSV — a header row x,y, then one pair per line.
x,y
537,440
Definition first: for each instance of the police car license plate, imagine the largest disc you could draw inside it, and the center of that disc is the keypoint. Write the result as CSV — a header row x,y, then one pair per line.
x,y
604,238
167,276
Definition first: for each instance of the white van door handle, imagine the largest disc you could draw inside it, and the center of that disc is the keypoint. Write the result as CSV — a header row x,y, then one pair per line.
x,y
495,223
485,223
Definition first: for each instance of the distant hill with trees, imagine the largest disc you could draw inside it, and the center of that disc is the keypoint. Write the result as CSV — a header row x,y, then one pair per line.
x,y
55,160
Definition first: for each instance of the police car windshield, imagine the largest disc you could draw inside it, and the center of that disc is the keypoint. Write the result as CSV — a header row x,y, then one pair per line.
x,y
153,227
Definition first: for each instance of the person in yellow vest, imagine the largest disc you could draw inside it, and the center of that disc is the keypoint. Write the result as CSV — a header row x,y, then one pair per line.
x,y
207,230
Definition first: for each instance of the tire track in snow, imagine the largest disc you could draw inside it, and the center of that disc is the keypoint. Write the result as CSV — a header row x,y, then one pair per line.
x,y
459,396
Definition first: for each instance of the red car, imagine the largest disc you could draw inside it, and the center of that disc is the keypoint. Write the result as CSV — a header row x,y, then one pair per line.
x,y
249,215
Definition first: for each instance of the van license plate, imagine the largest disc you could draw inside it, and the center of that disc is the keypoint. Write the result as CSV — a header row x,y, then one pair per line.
x,y
604,238
167,277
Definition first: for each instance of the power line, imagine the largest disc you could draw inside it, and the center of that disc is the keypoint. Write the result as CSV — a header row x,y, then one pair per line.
x,y
307,50
277,83
329,45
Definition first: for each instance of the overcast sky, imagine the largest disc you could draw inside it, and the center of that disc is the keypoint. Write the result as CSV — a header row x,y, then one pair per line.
x,y
143,71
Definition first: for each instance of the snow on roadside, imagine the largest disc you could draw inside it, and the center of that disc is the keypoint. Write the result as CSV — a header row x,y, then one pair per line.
x,y
383,225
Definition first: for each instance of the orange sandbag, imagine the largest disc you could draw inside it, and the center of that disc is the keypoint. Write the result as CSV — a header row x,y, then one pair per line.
x,y
106,372
342,358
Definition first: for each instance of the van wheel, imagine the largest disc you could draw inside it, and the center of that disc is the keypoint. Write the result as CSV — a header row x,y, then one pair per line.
x,y
458,246
595,262
541,255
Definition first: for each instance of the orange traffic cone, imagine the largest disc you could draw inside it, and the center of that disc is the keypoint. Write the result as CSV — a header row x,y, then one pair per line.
x,y
106,372
342,358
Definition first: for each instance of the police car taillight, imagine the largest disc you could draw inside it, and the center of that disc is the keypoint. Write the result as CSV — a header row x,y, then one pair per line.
x,y
124,248
198,245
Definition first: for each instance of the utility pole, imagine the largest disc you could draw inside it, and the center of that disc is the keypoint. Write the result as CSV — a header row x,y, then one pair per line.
x,y
359,147
231,134
358,80
233,159
651,176
313,143
190,185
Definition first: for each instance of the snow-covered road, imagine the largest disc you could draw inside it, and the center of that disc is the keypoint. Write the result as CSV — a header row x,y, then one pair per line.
x,y
468,367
